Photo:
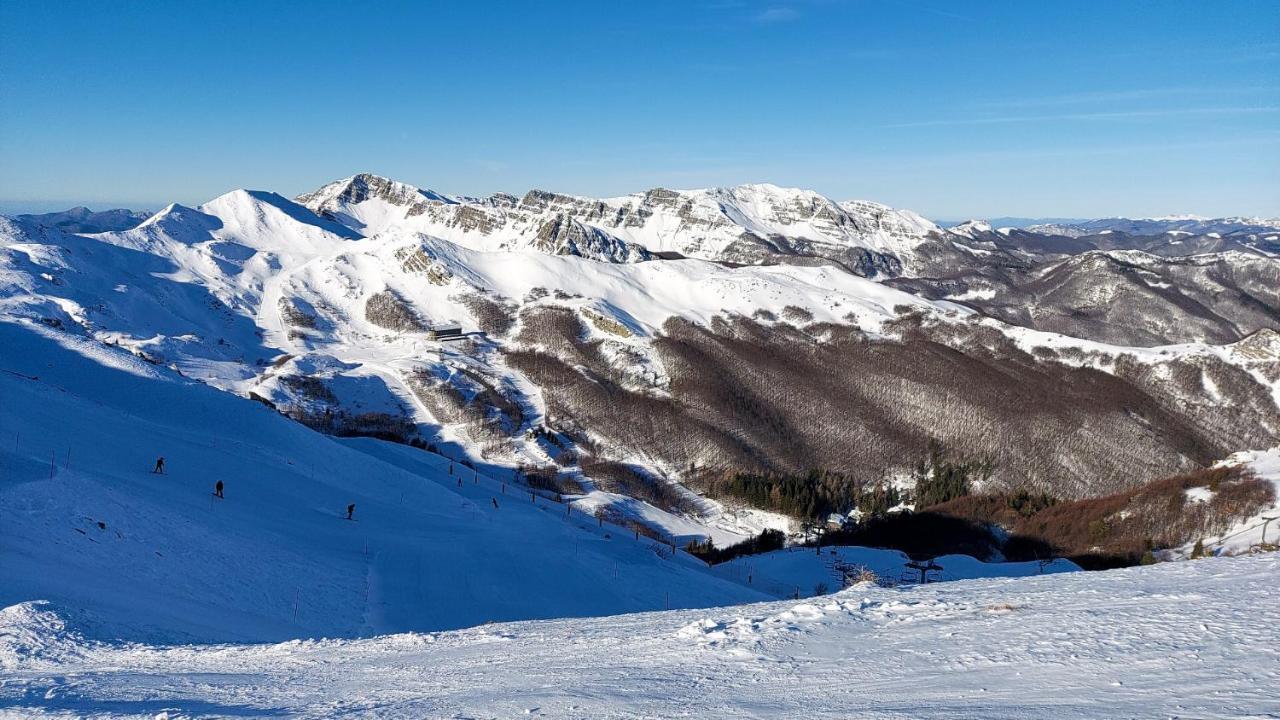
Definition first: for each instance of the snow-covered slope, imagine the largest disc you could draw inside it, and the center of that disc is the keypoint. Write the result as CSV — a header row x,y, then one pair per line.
x,y
1259,531
971,228
371,204
145,555
1190,639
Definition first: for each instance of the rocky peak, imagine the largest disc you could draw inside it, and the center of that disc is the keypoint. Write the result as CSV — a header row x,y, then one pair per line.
x,y
367,186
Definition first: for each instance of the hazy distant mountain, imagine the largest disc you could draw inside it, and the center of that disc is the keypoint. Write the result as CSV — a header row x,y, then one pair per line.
x,y
1194,224
1190,224
84,220
1017,222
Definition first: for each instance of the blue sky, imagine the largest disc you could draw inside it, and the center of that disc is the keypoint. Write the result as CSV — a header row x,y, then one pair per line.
x,y
954,109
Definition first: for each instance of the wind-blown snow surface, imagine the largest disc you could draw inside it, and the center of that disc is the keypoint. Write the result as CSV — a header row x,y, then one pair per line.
x,y
1195,639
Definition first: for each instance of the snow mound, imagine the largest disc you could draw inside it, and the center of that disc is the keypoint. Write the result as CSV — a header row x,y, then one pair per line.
x,y
33,633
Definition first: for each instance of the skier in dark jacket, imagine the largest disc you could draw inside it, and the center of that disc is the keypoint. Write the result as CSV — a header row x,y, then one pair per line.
x,y
217,488
495,503
159,466
351,509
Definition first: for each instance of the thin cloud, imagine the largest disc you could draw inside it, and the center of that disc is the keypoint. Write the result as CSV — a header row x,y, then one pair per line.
x,y
491,166
1127,115
1024,154
929,9
778,14
1111,96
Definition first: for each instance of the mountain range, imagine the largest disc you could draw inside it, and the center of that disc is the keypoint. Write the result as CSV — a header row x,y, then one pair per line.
x,y
649,346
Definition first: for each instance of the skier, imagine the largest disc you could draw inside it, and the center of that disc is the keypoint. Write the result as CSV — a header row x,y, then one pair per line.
x,y
217,489
495,503
159,466
351,510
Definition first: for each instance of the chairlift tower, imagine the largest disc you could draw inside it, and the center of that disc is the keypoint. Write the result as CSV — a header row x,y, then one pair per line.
x,y
924,568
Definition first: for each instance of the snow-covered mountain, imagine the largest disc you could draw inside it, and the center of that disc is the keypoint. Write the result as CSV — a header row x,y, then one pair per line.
x,y
1125,297
971,229
745,224
326,315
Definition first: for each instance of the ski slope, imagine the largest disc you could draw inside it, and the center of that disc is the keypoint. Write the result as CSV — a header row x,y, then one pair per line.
x,y
1178,640
83,423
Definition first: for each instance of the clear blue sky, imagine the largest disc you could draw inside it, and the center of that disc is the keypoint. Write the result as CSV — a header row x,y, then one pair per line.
x,y
955,109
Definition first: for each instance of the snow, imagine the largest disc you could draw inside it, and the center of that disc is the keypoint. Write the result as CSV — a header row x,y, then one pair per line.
x,y
1102,356
1246,535
380,208
1198,494
169,562
704,223
974,294
647,293
970,228
1190,639
204,288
